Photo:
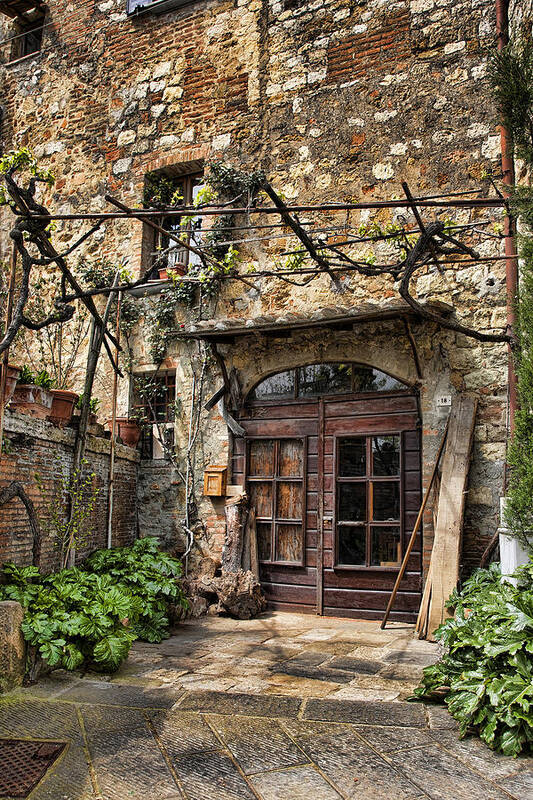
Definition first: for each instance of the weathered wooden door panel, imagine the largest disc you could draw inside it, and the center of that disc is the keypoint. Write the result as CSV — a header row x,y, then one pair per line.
x,y
336,488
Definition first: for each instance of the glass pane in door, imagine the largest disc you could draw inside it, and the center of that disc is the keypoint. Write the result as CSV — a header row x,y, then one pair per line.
x,y
386,455
352,502
352,458
352,545
386,501
386,546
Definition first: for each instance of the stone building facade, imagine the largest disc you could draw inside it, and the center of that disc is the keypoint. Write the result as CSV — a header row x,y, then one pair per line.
x,y
337,101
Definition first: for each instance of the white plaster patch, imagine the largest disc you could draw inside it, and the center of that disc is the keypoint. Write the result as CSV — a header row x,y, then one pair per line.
x,y
161,69
383,171
188,135
121,166
454,47
491,148
398,149
477,129
125,138
221,142
383,116
53,147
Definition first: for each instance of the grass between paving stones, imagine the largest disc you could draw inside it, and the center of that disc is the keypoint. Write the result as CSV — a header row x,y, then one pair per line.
x,y
485,676
90,615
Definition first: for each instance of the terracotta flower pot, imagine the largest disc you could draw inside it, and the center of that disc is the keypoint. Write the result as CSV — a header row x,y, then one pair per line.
x,y
63,403
32,400
128,430
13,373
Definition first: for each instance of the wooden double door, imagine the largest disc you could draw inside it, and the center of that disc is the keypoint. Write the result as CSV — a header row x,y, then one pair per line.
x,y
336,486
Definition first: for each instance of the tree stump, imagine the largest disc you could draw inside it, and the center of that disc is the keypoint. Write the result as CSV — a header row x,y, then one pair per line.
x,y
236,517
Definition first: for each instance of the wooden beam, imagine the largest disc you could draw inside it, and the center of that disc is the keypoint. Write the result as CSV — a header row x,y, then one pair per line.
x,y
445,558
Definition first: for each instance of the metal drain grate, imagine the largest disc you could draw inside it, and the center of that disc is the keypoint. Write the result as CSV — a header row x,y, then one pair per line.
x,y
23,763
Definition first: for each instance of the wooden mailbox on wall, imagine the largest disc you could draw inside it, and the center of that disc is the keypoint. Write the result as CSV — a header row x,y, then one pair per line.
x,y
215,478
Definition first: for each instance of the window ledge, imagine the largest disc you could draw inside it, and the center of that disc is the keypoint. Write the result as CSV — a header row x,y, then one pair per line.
x,y
136,8
150,288
22,58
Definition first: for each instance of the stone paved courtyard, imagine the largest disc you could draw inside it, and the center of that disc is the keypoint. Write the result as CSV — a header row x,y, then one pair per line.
x,y
284,707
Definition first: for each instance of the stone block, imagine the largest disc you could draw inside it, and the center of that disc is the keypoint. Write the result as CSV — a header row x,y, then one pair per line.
x,y
12,646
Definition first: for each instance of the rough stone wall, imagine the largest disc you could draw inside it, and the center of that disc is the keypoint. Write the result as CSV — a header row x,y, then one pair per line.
x,y
335,100
35,446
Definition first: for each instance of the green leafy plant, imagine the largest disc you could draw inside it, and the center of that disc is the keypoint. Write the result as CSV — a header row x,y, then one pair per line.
x,y
24,160
90,615
44,379
26,376
94,403
485,676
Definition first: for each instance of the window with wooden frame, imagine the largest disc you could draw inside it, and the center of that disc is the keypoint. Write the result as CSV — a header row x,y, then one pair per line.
x,y
28,24
368,502
276,485
161,251
155,401
315,380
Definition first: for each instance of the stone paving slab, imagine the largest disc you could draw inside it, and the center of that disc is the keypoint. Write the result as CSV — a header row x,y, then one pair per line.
x,y
250,705
360,712
301,783
257,744
117,695
212,775
443,777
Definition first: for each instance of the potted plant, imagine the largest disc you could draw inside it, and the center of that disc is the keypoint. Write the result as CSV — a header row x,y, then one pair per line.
x,y
129,430
94,405
32,393
12,377
63,402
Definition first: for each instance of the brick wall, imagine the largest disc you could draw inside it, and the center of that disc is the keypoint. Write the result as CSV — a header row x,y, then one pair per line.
x,y
36,446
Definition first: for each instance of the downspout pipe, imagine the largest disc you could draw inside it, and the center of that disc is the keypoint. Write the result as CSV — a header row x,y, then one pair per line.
x,y
511,261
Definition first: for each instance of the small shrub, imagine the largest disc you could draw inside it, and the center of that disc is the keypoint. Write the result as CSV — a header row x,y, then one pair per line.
x,y
486,674
90,615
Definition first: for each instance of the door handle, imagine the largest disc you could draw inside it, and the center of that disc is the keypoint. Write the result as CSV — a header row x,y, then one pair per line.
x,y
327,520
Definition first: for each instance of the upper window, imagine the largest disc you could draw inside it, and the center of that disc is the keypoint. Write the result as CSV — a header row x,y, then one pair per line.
x,y
140,6
155,404
28,23
163,253
324,379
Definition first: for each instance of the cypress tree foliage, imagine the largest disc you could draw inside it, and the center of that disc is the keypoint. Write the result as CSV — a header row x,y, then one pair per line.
x,y
511,75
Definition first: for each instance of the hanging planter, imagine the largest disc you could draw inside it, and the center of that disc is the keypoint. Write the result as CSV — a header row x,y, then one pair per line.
x,y
63,403
13,374
129,430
